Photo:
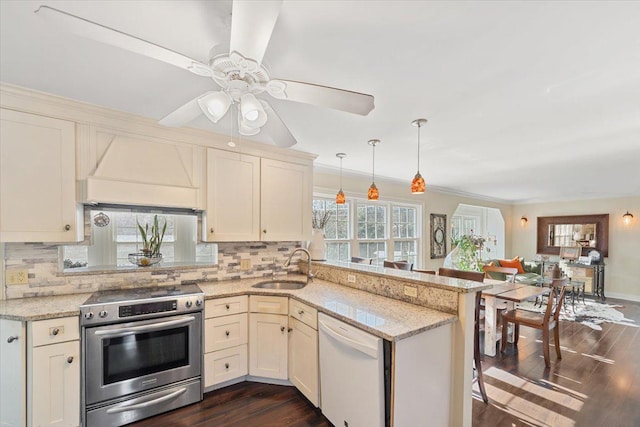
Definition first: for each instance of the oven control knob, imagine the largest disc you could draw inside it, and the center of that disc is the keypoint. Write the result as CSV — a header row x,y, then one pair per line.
x,y
88,315
189,304
198,302
103,313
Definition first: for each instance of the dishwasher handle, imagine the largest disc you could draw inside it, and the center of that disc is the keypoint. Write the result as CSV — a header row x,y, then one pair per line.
x,y
370,351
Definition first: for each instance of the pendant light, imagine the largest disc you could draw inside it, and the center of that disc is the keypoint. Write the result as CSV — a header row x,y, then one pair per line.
x,y
418,185
340,198
373,193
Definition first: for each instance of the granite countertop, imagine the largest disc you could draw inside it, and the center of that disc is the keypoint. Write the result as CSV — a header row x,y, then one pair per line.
x,y
387,318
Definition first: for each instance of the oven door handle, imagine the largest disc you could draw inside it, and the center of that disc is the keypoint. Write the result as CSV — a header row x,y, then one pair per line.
x,y
147,403
145,328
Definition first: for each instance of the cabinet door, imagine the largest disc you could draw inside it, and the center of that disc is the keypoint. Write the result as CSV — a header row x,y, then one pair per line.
x,y
303,359
285,201
37,179
268,345
54,385
12,371
233,197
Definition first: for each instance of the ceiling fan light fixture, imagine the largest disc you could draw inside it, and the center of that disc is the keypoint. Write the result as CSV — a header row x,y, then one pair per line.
x,y
244,129
418,185
215,105
253,115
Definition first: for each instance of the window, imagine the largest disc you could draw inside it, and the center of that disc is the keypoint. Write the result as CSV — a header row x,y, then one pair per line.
x,y
336,232
381,229
114,239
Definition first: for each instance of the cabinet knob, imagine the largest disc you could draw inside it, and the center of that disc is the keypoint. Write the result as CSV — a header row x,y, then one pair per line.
x,y
211,230
67,227
226,365
300,312
55,331
290,330
282,328
12,339
226,333
227,306
264,231
70,359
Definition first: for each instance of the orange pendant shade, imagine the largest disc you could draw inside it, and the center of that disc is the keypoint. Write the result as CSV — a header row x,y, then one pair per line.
x,y
417,185
340,198
373,194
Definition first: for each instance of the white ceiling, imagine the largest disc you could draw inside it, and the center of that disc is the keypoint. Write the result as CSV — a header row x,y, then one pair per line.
x,y
526,101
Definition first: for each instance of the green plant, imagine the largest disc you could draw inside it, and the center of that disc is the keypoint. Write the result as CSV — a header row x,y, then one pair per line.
x,y
152,239
320,218
469,252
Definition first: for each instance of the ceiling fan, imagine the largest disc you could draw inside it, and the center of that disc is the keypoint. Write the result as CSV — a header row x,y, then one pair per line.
x,y
240,73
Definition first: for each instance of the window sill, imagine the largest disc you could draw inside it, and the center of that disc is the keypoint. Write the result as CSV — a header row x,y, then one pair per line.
x,y
83,271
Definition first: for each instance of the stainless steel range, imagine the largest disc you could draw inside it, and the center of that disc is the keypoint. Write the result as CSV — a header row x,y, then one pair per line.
x,y
142,353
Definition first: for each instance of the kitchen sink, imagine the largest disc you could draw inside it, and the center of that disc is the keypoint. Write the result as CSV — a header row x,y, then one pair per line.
x,y
280,284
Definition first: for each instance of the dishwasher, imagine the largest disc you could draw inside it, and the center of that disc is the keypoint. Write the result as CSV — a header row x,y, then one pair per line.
x,y
354,378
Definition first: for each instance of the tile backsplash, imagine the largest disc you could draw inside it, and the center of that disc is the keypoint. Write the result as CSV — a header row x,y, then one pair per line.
x,y
41,262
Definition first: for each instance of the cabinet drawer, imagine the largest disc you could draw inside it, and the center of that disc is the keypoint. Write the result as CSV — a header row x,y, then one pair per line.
x,y
224,306
268,304
51,331
225,332
225,365
304,313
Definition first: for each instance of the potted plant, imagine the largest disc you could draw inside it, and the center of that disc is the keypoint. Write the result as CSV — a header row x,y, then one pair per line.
x,y
151,243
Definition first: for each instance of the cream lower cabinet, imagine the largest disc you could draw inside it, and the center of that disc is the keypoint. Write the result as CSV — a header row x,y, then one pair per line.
x,y
268,336
303,349
53,374
225,340
38,179
12,373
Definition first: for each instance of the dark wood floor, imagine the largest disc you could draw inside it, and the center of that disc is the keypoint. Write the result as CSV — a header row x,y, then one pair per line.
x,y
597,383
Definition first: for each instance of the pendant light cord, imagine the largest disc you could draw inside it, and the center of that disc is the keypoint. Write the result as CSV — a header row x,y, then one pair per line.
x,y
373,168
419,126
341,172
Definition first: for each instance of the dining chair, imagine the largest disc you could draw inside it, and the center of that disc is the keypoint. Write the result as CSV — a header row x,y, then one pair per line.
x,y
476,276
546,321
399,265
423,271
498,273
360,260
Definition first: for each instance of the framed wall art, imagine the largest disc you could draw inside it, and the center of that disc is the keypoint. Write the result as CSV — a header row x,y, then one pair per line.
x,y
438,236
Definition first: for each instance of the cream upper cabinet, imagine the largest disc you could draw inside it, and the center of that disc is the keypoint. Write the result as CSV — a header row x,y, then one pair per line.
x,y
256,199
285,201
233,197
38,179
13,373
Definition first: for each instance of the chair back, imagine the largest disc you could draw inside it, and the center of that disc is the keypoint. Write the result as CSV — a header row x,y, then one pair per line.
x,y
498,271
400,265
360,260
424,271
558,287
476,276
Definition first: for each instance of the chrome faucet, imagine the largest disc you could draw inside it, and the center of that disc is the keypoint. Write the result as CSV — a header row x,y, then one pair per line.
x,y
288,262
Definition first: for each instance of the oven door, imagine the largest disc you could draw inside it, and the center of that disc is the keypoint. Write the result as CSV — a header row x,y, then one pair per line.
x,y
127,358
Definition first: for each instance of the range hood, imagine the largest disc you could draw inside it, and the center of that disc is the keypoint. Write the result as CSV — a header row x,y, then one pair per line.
x,y
130,170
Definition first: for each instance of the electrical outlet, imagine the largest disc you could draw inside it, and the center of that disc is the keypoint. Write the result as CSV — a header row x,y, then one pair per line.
x,y
411,291
17,277
245,264
351,278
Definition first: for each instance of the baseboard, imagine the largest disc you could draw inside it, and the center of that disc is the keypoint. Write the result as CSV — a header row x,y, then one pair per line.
x,y
627,297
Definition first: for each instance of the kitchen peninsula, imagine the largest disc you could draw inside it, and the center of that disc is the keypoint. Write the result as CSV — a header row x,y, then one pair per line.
x,y
439,318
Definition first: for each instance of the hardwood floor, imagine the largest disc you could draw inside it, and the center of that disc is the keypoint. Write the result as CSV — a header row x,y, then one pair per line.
x,y
597,383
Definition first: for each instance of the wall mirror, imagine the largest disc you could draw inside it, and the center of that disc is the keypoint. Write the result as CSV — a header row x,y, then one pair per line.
x,y
587,231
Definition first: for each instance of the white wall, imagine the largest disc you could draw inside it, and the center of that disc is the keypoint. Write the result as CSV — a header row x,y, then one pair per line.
x,y
327,182
622,271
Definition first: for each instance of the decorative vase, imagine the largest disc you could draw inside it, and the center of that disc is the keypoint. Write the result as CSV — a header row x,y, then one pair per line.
x,y
317,248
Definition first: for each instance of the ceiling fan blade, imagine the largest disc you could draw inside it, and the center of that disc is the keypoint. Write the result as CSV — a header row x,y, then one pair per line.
x,y
100,33
252,23
339,99
184,114
276,128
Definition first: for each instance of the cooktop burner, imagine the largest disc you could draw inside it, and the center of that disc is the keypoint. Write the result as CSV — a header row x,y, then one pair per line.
x,y
126,295
132,304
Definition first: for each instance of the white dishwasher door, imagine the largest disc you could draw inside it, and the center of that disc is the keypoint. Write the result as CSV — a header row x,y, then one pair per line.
x,y
351,375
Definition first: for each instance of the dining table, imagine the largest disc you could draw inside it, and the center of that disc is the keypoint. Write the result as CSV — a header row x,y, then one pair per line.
x,y
494,297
